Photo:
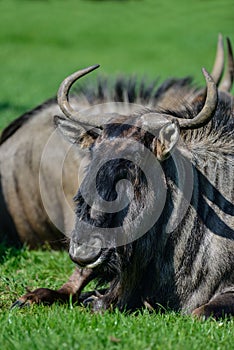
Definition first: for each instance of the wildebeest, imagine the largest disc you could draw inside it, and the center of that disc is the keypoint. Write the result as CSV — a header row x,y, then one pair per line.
x,y
23,216
172,243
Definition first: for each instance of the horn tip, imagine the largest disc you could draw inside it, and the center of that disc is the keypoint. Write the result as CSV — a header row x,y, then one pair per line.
x,y
207,75
220,37
95,66
91,68
229,45
220,41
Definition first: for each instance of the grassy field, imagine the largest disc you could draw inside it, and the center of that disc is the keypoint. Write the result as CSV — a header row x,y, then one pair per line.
x,y
43,41
72,327
40,43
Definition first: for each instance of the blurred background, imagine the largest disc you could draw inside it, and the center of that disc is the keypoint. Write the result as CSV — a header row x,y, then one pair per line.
x,y
42,41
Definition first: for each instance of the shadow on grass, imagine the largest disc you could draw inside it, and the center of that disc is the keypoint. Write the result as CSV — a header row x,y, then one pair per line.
x,y
6,252
7,106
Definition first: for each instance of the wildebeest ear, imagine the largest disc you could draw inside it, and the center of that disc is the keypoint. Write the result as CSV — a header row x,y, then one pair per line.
x,y
75,132
167,139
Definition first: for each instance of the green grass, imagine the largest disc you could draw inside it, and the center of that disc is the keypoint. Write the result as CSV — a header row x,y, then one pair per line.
x,y
73,327
43,41
40,43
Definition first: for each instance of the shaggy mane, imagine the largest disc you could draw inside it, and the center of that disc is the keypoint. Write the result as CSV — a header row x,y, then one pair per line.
x,y
172,92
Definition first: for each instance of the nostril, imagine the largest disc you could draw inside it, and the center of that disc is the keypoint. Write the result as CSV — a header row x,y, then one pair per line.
x,y
85,253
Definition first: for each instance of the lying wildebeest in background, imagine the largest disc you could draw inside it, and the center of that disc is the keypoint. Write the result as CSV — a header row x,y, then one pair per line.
x,y
184,262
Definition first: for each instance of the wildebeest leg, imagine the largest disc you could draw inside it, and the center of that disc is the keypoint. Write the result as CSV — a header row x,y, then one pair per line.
x,y
73,287
220,306
105,299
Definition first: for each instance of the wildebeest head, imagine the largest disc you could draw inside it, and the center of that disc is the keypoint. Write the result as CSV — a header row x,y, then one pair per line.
x,y
122,192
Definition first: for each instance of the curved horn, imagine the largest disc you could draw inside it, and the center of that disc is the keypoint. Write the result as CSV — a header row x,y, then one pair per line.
x,y
65,106
228,78
218,67
152,120
208,109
